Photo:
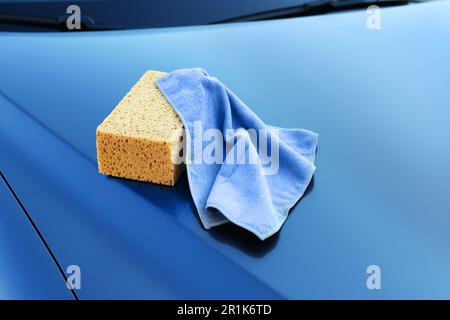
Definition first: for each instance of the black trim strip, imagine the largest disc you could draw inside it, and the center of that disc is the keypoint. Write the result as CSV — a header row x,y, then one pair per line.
x,y
38,233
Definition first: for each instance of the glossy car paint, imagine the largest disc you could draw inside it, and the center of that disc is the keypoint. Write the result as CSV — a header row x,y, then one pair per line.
x,y
378,98
26,267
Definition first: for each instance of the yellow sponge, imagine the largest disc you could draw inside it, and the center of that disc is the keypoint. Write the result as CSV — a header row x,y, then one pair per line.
x,y
141,137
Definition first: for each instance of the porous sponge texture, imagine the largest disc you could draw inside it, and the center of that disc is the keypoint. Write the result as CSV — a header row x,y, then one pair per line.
x,y
140,139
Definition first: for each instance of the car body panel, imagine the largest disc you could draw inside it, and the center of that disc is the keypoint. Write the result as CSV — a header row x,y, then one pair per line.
x,y
126,245
378,99
27,270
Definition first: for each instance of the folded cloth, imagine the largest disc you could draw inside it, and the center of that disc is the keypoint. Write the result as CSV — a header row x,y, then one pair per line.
x,y
232,175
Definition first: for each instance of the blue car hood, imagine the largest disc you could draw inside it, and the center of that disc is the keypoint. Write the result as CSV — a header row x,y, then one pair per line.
x,y
378,98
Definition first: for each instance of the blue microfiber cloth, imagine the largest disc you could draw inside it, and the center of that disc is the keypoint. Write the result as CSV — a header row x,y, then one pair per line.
x,y
255,194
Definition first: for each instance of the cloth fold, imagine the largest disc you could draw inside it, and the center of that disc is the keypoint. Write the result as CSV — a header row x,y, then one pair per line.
x,y
239,169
